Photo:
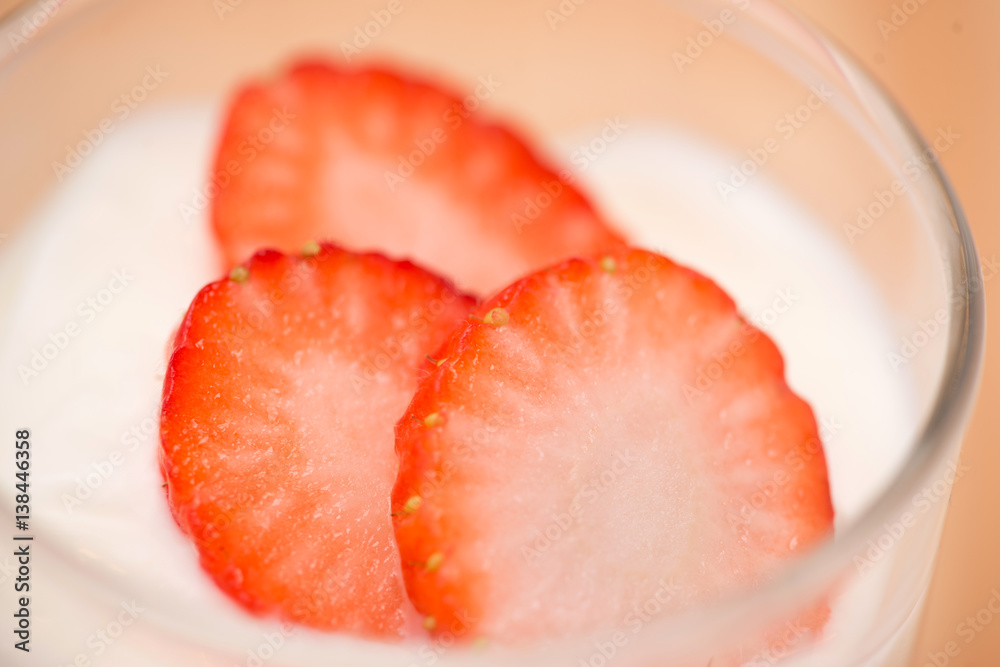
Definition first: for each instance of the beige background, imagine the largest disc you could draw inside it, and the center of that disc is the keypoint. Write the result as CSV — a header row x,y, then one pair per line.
x,y
943,66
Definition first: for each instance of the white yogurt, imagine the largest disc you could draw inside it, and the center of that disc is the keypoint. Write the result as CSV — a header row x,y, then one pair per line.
x,y
105,270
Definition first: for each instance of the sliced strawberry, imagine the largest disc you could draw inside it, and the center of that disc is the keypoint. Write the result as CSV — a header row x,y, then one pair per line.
x,y
278,408
610,432
372,160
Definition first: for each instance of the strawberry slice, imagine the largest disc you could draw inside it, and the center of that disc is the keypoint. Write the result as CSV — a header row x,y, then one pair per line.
x,y
609,432
372,160
277,429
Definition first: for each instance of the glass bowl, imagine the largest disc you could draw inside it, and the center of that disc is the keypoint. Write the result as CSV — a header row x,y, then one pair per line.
x,y
729,135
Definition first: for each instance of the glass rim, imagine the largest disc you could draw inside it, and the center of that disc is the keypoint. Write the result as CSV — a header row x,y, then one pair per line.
x,y
945,418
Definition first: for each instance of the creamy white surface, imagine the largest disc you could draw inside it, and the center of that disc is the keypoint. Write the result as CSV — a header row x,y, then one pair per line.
x,y
121,211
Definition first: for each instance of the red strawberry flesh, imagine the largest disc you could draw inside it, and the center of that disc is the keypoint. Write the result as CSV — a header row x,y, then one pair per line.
x,y
371,159
576,465
276,429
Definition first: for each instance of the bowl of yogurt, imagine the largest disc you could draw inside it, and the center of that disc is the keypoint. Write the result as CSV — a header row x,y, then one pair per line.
x,y
730,136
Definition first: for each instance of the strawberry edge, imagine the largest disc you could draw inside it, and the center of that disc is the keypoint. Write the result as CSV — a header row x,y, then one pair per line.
x,y
458,343
410,80
178,339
